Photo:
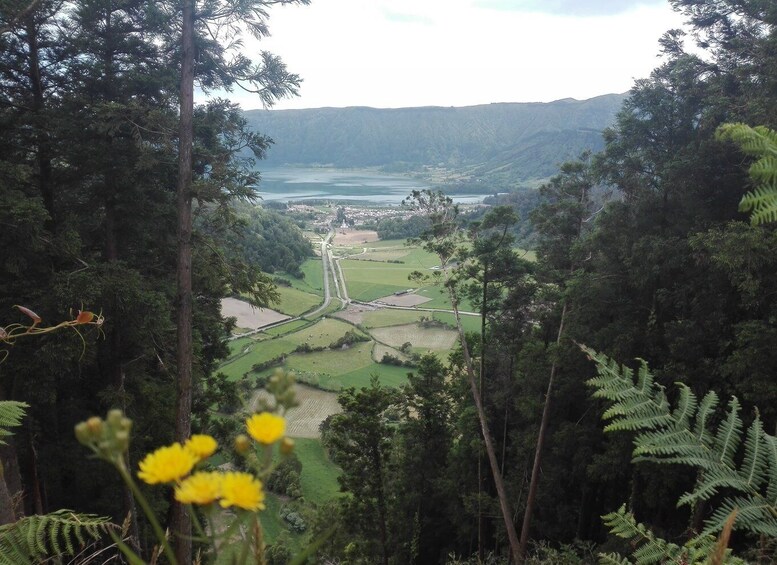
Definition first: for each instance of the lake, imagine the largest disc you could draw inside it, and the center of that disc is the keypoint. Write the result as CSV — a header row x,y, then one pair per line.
x,y
315,183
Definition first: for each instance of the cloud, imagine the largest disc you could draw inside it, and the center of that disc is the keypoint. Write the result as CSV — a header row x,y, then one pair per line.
x,y
568,7
401,18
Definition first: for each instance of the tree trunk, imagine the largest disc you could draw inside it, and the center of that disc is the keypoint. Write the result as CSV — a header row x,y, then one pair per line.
x,y
504,503
535,471
181,522
43,149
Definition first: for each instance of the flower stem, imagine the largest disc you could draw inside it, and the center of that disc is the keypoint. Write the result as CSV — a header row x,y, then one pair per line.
x,y
160,534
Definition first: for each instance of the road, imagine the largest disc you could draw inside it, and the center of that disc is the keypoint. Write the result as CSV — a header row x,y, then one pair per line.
x,y
326,258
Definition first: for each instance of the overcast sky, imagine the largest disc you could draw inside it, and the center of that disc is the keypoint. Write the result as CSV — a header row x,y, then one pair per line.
x,y
394,53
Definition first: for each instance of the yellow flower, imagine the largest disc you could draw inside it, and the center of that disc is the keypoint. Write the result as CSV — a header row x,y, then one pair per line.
x,y
166,464
202,446
200,488
242,490
266,428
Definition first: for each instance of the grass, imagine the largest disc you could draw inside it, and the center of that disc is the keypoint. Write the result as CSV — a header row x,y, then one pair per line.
x,y
319,474
287,328
295,301
236,346
322,334
388,317
272,523
469,323
386,243
313,282
333,363
439,339
389,375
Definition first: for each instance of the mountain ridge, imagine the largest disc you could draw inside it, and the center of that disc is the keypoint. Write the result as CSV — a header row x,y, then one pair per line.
x,y
503,142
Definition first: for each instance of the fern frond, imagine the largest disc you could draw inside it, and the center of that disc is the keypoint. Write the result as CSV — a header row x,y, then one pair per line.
x,y
11,414
686,407
755,463
729,458
612,559
729,434
63,532
771,450
754,515
706,410
760,142
649,548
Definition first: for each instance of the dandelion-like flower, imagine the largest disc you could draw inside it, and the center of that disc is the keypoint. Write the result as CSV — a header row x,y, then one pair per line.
x,y
202,446
200,488
266,428
242,490
166,464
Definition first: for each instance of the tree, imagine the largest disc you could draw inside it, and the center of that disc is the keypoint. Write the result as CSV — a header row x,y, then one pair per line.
x,y
360,440
421,497
223,21
444,239
560,224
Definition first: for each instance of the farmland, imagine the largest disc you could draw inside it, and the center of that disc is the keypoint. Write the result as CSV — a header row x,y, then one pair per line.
x,y
372,270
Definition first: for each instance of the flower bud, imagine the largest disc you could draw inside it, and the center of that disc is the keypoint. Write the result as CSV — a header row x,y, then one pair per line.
x,y
287,446
126,424
114,418
83,435
242,444
121,441
95,426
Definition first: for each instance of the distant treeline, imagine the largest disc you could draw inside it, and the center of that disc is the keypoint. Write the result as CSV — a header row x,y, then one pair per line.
x,y
269,240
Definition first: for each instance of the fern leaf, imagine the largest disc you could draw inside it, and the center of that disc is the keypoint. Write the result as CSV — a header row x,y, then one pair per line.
x,y
755,462
686,407
33,538
612,559
729,434
706,411
771,450
753,515
11,414
760,142
649,549
729,461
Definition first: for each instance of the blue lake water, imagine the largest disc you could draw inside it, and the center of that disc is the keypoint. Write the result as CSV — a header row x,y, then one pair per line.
x,y
300,183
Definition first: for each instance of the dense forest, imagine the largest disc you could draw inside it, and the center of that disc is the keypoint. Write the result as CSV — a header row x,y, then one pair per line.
x,y
89,122
642,256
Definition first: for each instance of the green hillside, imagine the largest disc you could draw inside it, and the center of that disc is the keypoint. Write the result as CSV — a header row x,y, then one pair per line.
x,y
522,141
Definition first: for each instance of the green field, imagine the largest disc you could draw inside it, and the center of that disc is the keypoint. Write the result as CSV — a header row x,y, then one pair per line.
x,y
389,375
333,363
388,317
295,302
286,328
319,474
469,323
320,334
313,282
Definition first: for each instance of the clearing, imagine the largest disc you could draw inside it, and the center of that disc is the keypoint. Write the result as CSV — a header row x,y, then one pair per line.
x,y
249,316
347,236
418,336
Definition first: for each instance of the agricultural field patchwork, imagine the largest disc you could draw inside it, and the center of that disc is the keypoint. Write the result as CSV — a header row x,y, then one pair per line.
x,y
321,334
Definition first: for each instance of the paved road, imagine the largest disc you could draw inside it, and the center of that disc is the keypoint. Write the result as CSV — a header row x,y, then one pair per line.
x,y
326,262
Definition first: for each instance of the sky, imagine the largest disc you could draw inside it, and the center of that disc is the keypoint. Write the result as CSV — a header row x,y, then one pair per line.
x,y
398,53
